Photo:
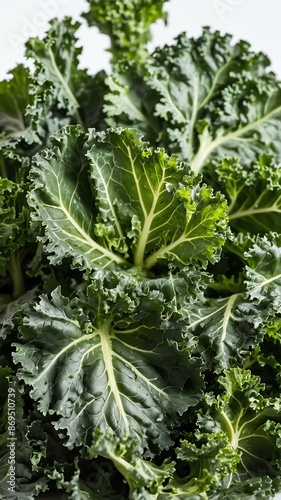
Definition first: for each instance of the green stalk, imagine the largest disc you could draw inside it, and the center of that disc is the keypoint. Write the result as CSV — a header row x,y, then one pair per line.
x,y
16,273
3,171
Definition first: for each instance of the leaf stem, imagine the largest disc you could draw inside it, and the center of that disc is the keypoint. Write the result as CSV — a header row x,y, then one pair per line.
x,y
209,145
3,170
16,273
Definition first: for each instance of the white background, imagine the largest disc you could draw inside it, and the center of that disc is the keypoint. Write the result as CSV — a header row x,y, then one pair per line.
x,y
257,21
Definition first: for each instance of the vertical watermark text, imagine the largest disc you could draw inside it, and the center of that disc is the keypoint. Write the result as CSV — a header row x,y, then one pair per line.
x,y
11,439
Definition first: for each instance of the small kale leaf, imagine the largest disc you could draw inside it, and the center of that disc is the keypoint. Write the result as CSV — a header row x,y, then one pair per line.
x,y
251,420
254,197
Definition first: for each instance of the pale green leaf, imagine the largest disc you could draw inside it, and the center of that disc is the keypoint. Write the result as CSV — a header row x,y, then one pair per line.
x,y
208,460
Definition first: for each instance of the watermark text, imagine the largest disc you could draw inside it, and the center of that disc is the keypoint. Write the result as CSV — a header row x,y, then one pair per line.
x,y
224,7
11,439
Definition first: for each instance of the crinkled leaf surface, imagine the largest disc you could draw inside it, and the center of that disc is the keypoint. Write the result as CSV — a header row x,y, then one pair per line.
x,y
127,23
254,197
16,238
256,488
9,223
98,484
123,373
171,216
35,104
250,419
9,308
263,272
268,354
111,356
56,59
14,228
65,204
226,328
14,99
208,461
128,96
64,93
28,484
126,455
139,206
211,97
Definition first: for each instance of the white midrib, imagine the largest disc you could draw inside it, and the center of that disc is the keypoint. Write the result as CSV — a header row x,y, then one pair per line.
x,y
247,422
140,250
177,110
196,105
233,199
214,84
132,162
229,306
152,259
14,135
60,353
88,240
234,434
209,146
131,105
228,309
126,469
66,87
230,430
254,211
200,320
148,218
114,87
266,282
107,355
227,314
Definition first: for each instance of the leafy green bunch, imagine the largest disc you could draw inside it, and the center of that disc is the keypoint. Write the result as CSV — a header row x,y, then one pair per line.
x,y
140,266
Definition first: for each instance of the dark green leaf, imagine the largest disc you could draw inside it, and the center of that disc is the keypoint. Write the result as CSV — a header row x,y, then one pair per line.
x,y
254,197
122,372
